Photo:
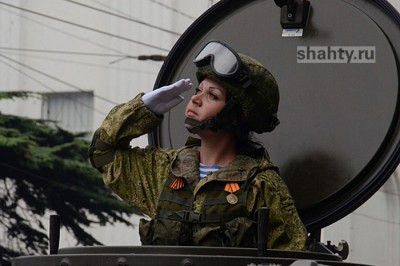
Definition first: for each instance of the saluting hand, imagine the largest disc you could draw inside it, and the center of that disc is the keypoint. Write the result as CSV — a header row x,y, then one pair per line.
x,y
162,100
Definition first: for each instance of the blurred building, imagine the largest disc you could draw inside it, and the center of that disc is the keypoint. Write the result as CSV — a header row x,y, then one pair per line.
x,y
83,59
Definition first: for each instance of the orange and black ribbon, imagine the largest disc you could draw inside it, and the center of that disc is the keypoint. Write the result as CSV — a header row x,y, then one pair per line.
x,y
177,183
232,187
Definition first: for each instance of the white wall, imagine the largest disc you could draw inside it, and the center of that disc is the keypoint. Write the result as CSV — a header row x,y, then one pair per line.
x,y
56,72
372,230
112,83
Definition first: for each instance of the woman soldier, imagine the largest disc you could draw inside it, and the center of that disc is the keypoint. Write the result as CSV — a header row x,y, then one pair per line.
x,y
206,193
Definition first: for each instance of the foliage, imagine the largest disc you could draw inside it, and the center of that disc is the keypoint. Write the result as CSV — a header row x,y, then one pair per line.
x,y
16,94
44,169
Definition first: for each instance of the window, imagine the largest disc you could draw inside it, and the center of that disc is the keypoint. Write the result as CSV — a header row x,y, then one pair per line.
x,y
73,111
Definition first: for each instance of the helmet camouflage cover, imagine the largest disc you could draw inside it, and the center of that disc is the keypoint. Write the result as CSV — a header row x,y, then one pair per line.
x,y
259,103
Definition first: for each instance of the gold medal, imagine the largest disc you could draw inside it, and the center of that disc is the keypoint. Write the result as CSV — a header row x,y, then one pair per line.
x,y
232,199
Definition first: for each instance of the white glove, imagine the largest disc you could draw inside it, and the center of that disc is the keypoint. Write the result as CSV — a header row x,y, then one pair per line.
x,y
165,98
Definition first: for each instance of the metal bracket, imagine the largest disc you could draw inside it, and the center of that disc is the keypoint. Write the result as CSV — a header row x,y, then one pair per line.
x,y
294,13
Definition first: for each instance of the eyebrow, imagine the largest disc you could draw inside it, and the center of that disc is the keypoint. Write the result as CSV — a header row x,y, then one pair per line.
x,y
214,88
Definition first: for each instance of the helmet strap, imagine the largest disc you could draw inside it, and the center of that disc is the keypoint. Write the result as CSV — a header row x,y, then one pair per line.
x,y
213,123
198,126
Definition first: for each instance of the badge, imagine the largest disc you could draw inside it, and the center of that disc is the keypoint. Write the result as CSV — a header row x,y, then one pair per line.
x,y
232,188
232,199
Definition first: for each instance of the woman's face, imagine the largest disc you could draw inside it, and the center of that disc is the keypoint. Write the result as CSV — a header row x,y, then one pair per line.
x,y
208,100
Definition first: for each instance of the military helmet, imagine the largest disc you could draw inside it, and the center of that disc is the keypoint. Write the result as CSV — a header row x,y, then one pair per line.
x,y
259,102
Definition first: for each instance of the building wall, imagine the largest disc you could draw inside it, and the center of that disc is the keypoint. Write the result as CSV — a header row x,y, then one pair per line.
x,y
88,47
115,76
373,230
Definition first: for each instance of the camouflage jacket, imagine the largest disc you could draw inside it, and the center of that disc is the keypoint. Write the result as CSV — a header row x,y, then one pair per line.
x,y
139,176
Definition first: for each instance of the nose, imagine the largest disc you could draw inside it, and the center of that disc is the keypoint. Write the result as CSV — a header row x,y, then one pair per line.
x,y
196,99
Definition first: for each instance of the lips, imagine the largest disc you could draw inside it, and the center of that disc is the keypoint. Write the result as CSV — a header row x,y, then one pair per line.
x,y
190,113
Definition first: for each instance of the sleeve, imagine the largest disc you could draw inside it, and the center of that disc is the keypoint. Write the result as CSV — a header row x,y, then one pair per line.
x,y
136,175
286,230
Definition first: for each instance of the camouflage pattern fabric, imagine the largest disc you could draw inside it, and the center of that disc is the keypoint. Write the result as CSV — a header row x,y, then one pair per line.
x,y
138,175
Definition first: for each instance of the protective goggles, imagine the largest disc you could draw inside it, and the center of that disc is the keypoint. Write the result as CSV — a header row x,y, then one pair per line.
x,y
224,62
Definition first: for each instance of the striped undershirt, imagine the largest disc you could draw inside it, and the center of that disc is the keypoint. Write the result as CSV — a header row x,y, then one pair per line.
x,y
205,169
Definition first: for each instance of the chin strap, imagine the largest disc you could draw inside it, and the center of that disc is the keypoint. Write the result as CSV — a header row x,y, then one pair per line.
x,y
214,123
199,126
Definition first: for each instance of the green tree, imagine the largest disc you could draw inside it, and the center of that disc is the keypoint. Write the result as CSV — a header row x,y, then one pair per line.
x,y
45,169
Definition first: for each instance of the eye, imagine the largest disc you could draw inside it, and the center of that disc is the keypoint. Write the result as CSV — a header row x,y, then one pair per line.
x,y
213,96
196,91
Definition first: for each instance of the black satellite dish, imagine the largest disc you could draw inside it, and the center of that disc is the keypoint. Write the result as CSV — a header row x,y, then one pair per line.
x,y
338,141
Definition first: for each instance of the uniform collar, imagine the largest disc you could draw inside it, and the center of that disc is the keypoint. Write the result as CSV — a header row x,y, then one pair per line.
x,y
186,164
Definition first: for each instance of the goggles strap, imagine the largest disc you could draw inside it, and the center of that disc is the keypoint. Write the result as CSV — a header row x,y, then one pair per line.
x,y
245,81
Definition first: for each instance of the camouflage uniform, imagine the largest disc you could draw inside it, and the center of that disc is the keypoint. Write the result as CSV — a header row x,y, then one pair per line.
x,y
139,176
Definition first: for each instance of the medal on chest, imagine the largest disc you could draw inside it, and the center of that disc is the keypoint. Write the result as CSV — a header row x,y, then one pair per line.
x,y
232,188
